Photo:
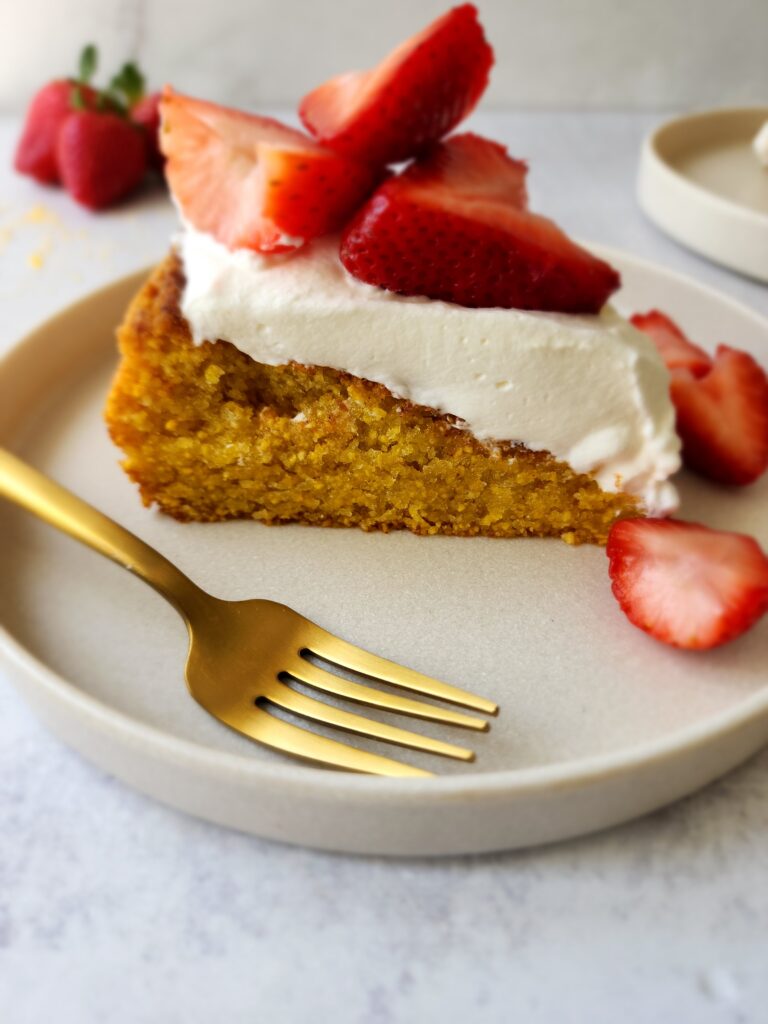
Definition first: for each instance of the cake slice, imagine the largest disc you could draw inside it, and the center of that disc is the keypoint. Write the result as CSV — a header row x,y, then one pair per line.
x,y
209,432
445,364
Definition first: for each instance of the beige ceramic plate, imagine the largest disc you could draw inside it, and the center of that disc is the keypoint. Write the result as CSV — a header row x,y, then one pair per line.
x,y
701,182
599,723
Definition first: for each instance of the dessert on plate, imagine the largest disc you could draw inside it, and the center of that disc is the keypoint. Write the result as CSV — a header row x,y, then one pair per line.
x,y
335,342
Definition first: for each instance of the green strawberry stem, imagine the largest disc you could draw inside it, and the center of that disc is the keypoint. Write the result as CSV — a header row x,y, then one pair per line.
x,y
89,60
124,91
128,83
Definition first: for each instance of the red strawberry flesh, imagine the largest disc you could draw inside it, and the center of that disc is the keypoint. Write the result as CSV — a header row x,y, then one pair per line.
x,y
36,150
101,156
685,584
455,226
722,417
252,182
677,351
146,113
414,97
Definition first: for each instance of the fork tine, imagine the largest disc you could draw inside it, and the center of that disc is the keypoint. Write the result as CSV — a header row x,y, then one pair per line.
x,y
257,724
305,672
355,658
308,707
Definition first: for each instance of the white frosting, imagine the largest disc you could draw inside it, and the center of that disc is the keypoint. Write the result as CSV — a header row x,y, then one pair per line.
x,y
760,145
590,389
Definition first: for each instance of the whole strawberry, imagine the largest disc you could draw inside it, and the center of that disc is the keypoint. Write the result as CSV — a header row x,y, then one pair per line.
x,y
36,151
101,157
97,142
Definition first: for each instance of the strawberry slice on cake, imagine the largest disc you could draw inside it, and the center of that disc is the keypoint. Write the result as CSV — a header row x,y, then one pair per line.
x,y
415,96
252,182
455,225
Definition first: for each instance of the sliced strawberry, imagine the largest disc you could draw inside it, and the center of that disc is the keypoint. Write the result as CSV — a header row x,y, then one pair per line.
x,y
414,97
677,351
252,182
36,150
722,417
685,584
455,226
146,113
101,156
722,405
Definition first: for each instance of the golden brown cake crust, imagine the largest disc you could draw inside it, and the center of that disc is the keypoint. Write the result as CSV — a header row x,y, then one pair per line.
x,y
210,434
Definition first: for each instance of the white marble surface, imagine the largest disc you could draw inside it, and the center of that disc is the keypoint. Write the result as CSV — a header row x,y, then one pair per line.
x,y
118,911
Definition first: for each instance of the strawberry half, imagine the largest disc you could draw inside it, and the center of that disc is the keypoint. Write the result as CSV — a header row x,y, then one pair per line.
x,y
685,584
414,97
252,182
722,404
722,417
455,226
677,351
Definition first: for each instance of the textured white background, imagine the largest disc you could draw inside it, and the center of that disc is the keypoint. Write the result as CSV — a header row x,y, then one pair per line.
x,y
654,54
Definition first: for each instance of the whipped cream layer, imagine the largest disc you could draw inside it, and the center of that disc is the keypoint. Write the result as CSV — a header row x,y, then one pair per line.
x,y
591,390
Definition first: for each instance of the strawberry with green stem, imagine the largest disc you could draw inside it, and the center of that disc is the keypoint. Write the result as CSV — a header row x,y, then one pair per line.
x,y
36,150
128,90
100,152
97,142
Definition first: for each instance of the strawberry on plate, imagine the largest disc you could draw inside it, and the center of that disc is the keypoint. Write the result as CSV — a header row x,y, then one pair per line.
x,y
252,182
722,417
721,403
454,225
677,351
685,584
101,157
414,97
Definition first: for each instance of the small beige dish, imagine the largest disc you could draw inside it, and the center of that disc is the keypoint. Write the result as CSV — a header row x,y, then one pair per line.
x,y
600,723
702,183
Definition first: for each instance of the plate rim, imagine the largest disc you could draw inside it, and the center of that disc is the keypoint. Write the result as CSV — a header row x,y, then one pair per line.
x,y
710,224
563,775
652,143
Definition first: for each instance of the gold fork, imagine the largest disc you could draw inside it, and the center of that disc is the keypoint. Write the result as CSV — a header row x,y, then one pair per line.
x,y
242,653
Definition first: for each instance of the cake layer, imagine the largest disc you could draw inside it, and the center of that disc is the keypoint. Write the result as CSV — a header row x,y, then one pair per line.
x,y
590,390
210,433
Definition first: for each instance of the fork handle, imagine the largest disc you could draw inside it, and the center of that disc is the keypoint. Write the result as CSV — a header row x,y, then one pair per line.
x,y
51,502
